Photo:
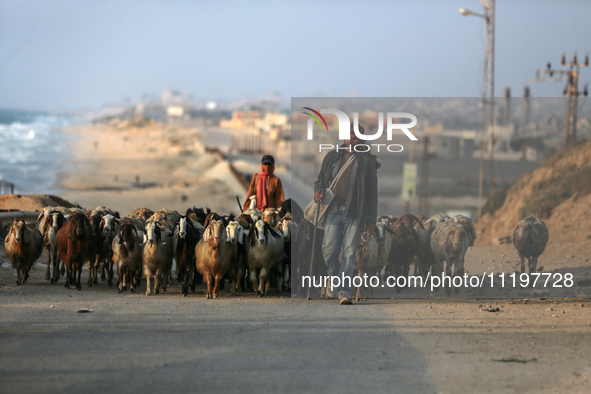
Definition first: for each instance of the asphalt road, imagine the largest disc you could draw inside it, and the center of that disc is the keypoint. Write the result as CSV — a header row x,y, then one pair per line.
x,y
169,343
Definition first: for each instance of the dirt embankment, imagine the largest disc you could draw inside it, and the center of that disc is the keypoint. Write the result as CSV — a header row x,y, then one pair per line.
x,y
559,192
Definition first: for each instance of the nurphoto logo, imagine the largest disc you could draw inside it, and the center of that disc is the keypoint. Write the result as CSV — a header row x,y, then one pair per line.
x,y
344,123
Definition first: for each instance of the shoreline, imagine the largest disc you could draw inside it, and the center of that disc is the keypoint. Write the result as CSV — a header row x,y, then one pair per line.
x,y
158,166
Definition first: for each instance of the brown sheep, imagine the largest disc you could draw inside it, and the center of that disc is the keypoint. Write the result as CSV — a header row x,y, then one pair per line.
x,y
530,238
75,245
127,255
449,242
23,247
52,223
213,256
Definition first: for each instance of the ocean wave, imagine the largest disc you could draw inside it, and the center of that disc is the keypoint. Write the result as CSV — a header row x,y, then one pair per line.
x,y
32,148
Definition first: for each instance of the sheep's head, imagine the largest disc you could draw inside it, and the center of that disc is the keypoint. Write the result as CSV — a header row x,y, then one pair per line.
x,y
457,234
107,223
19,230
153,233
285,226
182,227
259,229
214,231
521,230
234,233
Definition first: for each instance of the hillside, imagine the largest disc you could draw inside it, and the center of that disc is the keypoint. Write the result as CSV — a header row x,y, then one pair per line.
x,y
559,192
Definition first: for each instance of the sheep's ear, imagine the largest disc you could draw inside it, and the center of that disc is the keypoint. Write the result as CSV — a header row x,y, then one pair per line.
x,y
40,216
240,235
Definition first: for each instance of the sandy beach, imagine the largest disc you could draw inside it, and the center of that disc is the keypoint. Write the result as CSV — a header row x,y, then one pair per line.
x,y
157,166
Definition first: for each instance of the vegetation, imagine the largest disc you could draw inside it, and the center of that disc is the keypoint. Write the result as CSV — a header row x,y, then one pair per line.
x,y
497,202
549,193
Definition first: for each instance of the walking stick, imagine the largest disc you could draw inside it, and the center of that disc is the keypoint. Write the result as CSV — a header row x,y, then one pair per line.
x,y
239,205
313,249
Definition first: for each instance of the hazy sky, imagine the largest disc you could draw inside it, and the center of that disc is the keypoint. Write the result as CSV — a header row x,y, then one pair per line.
x,y
81,54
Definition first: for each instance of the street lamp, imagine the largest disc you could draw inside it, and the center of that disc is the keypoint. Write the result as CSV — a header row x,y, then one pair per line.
x,y
489,53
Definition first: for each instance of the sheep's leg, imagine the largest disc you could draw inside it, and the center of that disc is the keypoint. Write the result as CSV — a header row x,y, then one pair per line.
x,y
262,281
47,275
208,278
90,268
68,274
253,280
79,274
216,288
157,281
26,274
56,269
62,268
533,264
521,258
121,279
186,277
18,276
148,284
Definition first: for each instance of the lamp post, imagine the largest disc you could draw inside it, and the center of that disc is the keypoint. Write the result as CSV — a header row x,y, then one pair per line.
x,y
489,57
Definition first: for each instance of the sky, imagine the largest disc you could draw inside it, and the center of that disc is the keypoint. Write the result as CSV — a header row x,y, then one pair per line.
x,y
71,55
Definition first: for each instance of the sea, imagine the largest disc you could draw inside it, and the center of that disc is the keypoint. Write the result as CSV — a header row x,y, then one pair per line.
x,y
33,149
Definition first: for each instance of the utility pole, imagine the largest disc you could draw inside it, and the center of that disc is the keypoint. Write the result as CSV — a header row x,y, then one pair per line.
x,y
424,196
489,57
571,90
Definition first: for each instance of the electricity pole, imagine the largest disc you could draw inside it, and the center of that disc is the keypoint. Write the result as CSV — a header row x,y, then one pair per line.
x,y
571,90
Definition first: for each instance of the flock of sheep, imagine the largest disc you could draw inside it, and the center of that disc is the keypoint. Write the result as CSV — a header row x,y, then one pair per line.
x,y
253,249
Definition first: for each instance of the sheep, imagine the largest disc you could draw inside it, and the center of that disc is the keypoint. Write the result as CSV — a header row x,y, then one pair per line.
x,y
286,225
235,239
213,256
449,242
424,258
23,247
265,251
157,257
530,238
166,217
141,213
186,236
366,260
127,255
53,223
383,235
292,208
95,218
108,226
467,223
67,212
435,220
404,247
75,244
198,214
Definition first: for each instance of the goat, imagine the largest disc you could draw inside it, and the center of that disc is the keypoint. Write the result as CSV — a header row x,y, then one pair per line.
x,y
127,254
95,218
271,216
285,225
157,257
404,248
166,217
213,256
235,239
186,236
23,247
366,259
108,227
265,251
75,244
52,224
530,238
449,243
198,214
468,225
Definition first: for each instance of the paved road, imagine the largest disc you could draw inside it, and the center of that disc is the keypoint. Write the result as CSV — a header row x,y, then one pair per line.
x,y
168,343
